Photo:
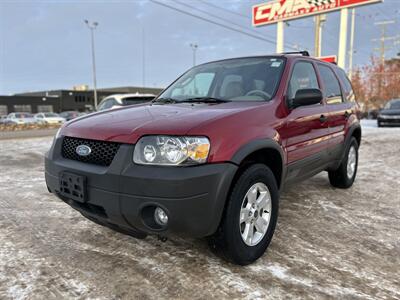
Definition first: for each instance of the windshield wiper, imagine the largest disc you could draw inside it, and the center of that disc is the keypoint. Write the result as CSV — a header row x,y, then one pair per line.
x,y
164,100
205,100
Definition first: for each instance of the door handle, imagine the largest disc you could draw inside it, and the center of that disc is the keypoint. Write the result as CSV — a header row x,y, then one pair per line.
x,y
323,118
347,114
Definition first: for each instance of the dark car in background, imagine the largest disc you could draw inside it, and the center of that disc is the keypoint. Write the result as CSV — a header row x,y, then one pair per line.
x,y
390,114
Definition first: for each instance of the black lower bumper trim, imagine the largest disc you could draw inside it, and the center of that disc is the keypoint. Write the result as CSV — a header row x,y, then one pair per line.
x,y
116,196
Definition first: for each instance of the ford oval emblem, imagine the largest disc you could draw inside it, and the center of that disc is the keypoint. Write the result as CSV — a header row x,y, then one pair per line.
x,y
83,150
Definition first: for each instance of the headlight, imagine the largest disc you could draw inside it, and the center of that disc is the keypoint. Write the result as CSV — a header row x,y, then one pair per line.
x,y
171,151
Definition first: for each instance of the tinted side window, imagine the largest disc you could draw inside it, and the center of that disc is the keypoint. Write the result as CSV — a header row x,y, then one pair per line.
x,y
303,77
348,89
332,90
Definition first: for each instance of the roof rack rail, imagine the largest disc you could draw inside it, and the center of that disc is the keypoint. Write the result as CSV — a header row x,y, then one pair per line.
x,y
303,53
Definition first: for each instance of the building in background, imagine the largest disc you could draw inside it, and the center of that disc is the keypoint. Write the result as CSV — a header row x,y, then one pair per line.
x,y
78,99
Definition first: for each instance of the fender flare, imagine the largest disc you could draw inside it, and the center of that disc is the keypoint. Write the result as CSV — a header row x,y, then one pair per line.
x,y
350,132
347,138
260,144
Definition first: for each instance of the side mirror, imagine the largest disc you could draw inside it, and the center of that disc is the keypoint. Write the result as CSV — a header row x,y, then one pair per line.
x,y
306,97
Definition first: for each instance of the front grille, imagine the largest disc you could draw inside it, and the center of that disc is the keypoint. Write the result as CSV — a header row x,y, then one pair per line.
x,y
102,152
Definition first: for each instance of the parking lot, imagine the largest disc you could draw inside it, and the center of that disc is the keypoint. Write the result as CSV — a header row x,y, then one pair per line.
x,y
328,243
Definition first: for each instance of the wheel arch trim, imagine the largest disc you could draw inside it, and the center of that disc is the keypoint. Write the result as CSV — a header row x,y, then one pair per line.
x,y
261,144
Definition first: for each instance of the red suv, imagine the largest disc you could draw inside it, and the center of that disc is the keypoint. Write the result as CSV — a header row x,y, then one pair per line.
x,y
211,154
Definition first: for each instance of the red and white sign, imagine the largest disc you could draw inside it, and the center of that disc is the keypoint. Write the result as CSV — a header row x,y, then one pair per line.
x,y
330,59
283,10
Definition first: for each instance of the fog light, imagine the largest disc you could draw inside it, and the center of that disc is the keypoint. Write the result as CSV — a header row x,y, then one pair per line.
x,y
160,216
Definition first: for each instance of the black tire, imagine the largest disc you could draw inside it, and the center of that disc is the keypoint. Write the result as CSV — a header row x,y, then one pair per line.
x,y
339,177
379,124
228,240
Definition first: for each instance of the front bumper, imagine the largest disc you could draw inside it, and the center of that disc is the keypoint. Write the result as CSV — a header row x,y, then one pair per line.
x,y
124,193
389,120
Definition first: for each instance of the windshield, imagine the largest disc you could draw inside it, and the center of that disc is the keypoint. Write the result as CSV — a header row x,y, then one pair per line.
x,y
393,105
50,115
22,116
242,79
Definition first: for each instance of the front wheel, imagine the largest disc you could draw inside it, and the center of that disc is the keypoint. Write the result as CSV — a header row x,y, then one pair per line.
x,y
345,175
250,216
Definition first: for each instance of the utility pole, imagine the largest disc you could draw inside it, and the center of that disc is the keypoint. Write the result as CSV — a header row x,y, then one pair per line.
x,y
351,51
382,48
194,48
319,21
92,26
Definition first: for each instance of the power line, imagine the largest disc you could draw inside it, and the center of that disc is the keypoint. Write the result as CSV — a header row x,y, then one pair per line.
x,y
212,15
222,19
216,23
226,10
288,44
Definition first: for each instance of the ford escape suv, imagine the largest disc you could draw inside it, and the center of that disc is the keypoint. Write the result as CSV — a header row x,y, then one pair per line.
x,y
211,154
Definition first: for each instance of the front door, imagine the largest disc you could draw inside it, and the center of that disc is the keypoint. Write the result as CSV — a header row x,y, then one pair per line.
x,y
307,130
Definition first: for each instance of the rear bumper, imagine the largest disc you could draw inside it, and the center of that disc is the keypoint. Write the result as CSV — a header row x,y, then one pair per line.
x,y
124,194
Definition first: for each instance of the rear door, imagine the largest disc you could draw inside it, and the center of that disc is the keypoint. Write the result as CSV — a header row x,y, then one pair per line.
x,y
307,128
339,109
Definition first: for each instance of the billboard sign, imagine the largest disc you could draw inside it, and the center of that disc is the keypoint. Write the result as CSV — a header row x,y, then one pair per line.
x,y
330,59
284,10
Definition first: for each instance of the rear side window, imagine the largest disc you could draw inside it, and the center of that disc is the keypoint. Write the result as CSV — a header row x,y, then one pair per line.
x,y
348,89
303,77
332,90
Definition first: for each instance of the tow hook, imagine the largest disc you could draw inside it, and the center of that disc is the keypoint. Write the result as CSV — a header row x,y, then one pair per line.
x,y
162,238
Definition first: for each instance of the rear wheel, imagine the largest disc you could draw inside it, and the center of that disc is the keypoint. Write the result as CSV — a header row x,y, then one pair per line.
x,y
345,175
250,216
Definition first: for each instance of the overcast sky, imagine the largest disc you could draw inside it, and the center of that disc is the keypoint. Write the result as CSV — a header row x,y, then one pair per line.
x,y
46,45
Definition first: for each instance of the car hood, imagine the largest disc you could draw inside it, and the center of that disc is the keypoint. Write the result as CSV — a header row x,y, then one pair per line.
x,y
128,124
390,112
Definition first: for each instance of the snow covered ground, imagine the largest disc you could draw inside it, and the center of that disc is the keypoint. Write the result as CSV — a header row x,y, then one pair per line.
x,y
328,243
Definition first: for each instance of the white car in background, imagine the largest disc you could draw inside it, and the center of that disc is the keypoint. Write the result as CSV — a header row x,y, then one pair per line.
x,y
49,118
119,100
20,118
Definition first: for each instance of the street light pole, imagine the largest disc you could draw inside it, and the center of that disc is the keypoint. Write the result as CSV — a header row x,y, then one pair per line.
x,y
92,26
194,48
